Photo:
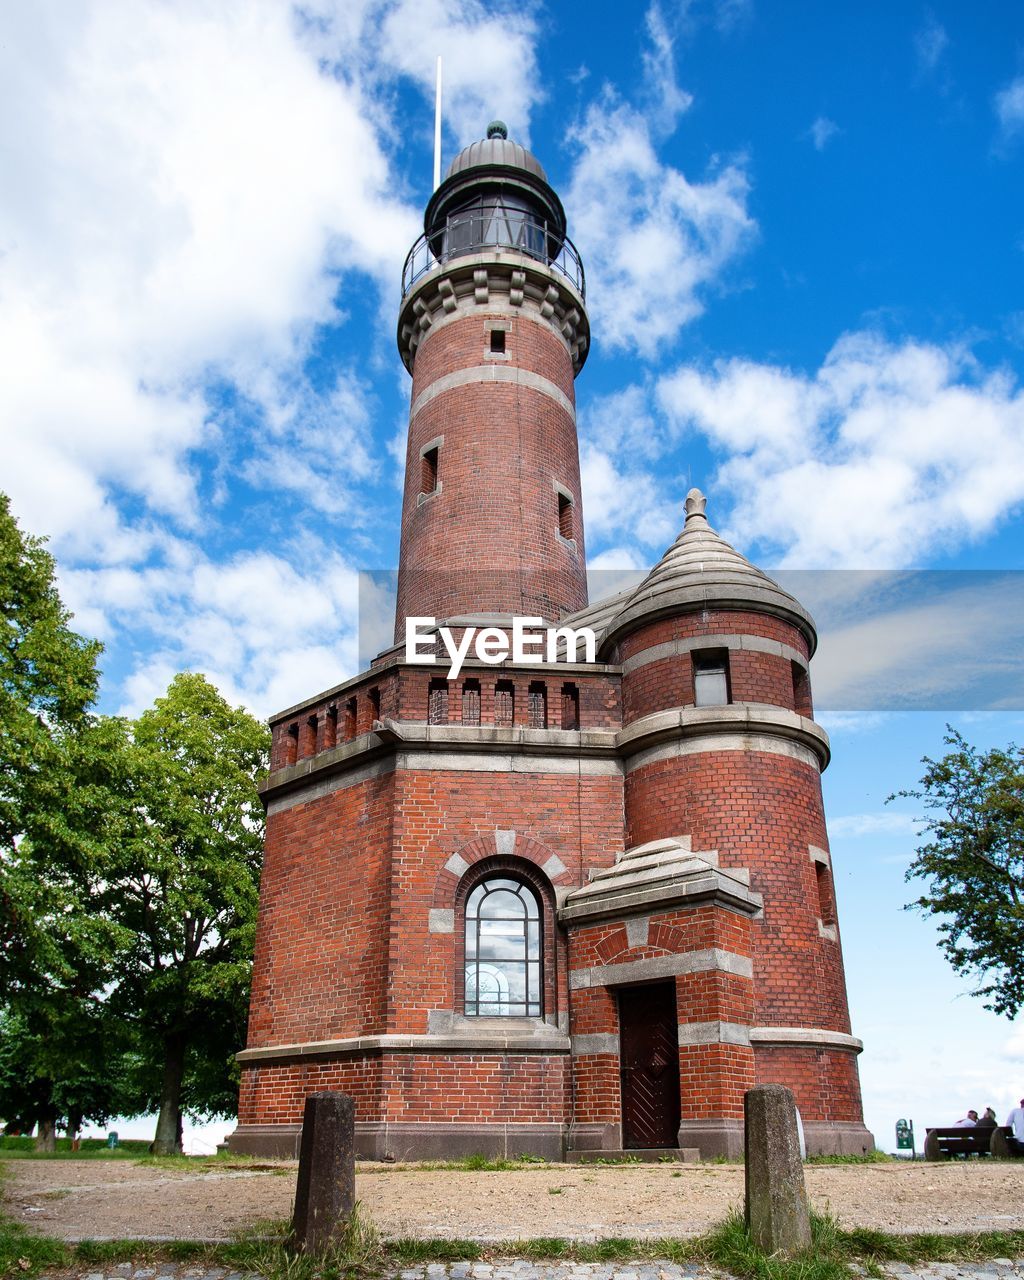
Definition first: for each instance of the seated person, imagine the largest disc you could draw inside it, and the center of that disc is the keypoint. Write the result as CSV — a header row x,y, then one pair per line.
x,y
968,1122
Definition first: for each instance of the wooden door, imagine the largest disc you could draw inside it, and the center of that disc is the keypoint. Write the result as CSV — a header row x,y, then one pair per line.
x,y
649,1061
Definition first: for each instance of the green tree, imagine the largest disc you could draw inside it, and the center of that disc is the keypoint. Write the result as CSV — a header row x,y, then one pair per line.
x,y
48,770
64,1064
973,865
180,886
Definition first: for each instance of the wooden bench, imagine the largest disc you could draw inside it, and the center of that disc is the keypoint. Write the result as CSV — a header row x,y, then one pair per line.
x,y
942,1144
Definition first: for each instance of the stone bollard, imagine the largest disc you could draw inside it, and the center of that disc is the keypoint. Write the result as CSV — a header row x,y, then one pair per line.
x,y
777,1213
325,1194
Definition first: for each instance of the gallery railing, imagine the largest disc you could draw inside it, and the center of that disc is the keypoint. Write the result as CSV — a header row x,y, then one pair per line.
x,y
478,229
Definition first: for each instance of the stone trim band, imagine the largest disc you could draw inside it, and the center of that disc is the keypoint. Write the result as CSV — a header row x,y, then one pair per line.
x,y
631,971
481,1043
492,373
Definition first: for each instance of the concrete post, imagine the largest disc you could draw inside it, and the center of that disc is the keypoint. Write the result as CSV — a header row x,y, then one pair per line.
x,y
777,1213
326,1190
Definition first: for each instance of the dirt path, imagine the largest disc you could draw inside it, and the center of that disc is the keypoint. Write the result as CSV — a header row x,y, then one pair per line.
x,y
80,1199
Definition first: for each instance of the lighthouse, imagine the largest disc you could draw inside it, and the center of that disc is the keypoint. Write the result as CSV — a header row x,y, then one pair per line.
x,y
569,909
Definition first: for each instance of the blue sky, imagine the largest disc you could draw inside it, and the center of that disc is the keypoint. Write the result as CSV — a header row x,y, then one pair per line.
x,y
803,229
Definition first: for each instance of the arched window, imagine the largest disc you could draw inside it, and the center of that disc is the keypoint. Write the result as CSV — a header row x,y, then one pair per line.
x,y
503,950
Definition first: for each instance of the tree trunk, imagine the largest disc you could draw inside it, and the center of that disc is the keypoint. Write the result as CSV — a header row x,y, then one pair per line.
x,y
168,1126
46,1132
74,1128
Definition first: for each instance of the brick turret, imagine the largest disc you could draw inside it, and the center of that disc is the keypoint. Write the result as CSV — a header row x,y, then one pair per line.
x,y
493,328
720,748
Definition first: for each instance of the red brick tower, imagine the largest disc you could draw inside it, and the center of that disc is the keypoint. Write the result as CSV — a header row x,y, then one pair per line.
x,y
569,908
493,329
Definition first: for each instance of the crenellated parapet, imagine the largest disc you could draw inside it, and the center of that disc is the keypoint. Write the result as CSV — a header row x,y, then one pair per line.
x,y
495,280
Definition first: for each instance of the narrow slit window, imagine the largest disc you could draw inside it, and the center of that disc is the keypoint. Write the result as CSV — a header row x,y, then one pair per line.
x,y
291,744
437,702
374,704
565,520
350,719
471,702
537,705
711,678
498,341
570,706
504,703
331,728
428,470
826,898
801,691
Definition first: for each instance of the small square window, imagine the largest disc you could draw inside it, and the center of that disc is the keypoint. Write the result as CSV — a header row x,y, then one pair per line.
x,y
498,341
711,678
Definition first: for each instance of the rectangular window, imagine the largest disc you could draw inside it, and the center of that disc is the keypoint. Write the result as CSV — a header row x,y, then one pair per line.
x,y
537,705
710,677
374,704
428,470
504,703
437,702
291,744
565,520
498,341
471,702
570,706
350,719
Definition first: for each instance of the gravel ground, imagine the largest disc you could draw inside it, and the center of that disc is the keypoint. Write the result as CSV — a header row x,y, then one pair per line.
x,y
99,1199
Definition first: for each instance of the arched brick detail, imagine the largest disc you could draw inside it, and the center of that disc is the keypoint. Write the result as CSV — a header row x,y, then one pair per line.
x,y
525,848
613,945
668,938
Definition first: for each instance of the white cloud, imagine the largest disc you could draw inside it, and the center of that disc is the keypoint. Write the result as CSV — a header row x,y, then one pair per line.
x,y
620,501
890,452
872,824
668,100
822,131
194,195
191,189
1009,108
654,242
265,631
930,44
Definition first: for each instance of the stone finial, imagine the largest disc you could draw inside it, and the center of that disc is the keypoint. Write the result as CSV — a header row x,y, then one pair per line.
x,y
695,506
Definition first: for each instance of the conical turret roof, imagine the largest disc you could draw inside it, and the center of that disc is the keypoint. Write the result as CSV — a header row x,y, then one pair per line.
x,y
701,570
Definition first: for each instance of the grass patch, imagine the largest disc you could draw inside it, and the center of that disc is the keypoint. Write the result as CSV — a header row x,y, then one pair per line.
x,y
871,1157
466,1164
91,1149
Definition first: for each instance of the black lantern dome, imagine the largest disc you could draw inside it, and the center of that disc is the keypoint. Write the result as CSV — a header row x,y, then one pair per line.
x,y
495,195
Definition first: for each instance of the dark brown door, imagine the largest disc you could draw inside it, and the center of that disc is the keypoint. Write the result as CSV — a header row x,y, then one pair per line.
x,y
649,1055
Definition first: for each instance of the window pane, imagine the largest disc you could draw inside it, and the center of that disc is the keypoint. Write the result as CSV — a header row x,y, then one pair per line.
x,y
710,688
503,904
503,949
